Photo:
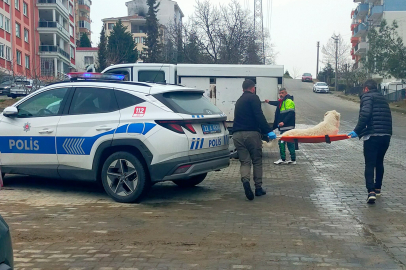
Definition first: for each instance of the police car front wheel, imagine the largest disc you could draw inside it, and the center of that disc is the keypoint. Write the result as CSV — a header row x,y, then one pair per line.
x,y
123,177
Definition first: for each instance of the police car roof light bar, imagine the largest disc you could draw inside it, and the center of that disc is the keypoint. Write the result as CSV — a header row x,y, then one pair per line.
x,y
74,76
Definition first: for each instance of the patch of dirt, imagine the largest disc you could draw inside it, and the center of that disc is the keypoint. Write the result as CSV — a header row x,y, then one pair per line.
x,y
4,103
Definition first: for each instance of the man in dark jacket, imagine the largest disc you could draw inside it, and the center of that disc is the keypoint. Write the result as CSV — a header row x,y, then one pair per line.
x,y
375,128
285,119
249,125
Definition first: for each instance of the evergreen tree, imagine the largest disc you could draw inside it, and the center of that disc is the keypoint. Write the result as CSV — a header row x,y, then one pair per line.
x,y
253,54
121,46
153,52
287,75
102,53
85,41
192,53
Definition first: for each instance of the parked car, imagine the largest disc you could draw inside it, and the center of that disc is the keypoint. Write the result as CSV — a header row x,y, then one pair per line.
x,y
25,87
117,133
6,249
5,87
307,77
320,87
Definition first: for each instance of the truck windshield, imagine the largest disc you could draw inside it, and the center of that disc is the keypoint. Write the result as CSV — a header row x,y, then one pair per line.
x,y
188,103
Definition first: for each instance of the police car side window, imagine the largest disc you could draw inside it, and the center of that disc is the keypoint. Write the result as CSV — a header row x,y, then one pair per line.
x,y
93,100
126,100
45,104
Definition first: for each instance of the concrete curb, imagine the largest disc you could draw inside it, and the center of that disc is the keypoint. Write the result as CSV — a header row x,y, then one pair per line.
x,y
356,100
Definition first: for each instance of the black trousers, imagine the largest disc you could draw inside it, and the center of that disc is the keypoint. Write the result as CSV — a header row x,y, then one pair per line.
x,y
374,152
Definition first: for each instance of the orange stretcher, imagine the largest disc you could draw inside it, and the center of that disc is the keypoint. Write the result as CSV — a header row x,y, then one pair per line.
x,y
313,139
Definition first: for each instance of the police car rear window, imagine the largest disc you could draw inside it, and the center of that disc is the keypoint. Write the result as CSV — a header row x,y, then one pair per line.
x,y
126,100
188,103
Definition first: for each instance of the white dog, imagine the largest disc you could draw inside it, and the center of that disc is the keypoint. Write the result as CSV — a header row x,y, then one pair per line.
x,y
329,126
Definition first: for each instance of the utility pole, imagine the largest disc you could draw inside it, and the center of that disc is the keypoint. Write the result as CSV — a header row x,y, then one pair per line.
x,y
318,50
259,23
336,39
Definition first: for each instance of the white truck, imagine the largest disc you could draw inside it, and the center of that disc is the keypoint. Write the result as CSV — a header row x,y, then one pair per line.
x,y
222,83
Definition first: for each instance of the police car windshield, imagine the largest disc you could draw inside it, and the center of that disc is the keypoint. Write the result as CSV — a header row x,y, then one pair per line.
x,y
188,103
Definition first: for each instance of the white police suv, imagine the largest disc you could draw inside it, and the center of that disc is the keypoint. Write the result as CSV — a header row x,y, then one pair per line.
x,y
127,135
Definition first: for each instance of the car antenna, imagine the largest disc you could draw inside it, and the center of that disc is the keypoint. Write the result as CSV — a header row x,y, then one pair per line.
x,y
158,73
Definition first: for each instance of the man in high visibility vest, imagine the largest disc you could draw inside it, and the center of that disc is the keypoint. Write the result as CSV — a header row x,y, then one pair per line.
x,y
285,119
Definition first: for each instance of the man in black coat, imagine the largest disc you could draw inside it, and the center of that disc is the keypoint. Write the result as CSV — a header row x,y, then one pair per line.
x,y
249,126
375,128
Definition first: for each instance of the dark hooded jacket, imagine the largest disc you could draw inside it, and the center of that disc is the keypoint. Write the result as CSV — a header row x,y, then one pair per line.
x,y
285,113
375,116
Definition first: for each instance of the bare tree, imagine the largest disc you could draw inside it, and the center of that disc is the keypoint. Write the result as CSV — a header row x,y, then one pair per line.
x,y
343,52
296,73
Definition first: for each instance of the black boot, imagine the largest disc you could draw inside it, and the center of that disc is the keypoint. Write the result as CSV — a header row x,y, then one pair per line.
x,y
259,191
248,191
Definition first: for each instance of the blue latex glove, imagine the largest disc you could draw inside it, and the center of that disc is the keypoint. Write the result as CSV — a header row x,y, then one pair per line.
x,y
352,134
272,135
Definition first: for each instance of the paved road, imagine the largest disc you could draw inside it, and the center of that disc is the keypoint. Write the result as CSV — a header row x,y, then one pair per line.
x,y
313,217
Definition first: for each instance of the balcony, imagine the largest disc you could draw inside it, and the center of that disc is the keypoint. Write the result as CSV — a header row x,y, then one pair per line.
x,y
354,40
53,26
361,48
361,11
52,49
360,30
46,4
375,13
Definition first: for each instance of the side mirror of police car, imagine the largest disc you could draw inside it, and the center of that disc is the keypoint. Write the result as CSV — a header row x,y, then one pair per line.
x,y
10,111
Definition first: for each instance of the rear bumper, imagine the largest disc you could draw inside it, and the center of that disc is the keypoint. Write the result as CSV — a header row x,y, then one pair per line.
x,y
200,164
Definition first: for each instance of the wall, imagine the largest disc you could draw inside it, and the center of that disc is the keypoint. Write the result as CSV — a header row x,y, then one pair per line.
x,y
400,17
80,58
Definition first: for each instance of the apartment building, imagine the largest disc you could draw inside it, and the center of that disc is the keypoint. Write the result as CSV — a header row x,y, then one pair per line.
x,y
5,36
135,24
82,18
56,29
169,13
370,13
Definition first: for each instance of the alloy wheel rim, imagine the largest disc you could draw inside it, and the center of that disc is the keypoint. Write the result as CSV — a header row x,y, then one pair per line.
x,y
122,177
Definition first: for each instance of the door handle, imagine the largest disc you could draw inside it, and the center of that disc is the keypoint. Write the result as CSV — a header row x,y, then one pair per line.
x,y
46,131
103,128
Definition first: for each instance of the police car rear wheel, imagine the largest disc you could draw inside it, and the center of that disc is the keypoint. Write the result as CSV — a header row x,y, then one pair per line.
x,y
124,178
191,182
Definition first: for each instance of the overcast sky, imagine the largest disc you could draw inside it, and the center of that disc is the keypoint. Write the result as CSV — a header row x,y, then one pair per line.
x,y
295,25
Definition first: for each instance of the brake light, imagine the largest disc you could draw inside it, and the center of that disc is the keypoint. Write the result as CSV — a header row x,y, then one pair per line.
x,y
190,128
182,169
171,125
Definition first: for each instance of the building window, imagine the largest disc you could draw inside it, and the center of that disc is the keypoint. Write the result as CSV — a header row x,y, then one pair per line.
x,y
72,53
70,9
8,53
137,40
7,2
84,24
89,60
25,9
71,30
110,26
27,62
1,50
25,35
1,21
17,4
18,30
143,40
7,25
19,58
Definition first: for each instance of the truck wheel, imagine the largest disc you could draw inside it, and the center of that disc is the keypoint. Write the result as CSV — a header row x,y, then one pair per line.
x,y
13,96
124,178
191,182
